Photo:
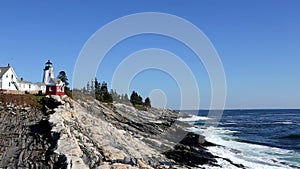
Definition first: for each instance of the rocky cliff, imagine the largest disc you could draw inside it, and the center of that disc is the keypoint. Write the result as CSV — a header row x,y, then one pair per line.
x,y
59,132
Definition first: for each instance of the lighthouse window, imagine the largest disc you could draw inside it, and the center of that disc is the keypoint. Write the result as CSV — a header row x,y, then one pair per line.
x,y
12,76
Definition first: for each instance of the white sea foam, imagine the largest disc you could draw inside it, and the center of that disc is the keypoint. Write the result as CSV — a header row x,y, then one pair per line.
x,y
231,123
201,129
193,118
250,155
221,162
284,122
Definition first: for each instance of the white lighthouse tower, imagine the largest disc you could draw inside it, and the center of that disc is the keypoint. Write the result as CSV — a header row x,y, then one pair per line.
x,y
48,72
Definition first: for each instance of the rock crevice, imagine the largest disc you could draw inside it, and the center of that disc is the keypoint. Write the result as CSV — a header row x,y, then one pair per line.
x,y
63,133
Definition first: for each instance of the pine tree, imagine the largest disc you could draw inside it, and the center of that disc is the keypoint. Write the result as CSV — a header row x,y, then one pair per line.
x,y
135,99
96,85
88,87
92,86
84,90
115,95
63,77
97,90
107,97
103,87
125,98
147,102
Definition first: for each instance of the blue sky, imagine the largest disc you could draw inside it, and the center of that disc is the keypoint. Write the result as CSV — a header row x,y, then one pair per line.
x,y
258,43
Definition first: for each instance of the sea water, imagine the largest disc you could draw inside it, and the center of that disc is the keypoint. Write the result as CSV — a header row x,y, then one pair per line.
x,y
255,138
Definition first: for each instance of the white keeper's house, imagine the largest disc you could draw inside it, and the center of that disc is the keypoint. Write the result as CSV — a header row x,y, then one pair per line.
x,y
10,83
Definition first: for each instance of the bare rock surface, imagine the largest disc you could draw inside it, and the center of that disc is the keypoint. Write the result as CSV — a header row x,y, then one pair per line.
x,y
26,140
94,142
63,133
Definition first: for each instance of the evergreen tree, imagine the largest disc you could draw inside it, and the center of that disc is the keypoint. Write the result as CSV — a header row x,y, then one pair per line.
x,y
92,86
103,87
107,97
63,77
96,85
115,95
100,91
88,87
125,98
135,99
97,90
147,102
84,90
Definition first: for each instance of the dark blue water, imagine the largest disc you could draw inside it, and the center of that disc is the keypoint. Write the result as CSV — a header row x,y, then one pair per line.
x,y
254,138
275,128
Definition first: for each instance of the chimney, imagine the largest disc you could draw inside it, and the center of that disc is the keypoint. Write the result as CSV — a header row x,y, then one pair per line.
x,y
8,65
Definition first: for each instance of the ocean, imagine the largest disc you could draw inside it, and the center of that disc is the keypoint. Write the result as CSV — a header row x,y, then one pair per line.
x,y
257,139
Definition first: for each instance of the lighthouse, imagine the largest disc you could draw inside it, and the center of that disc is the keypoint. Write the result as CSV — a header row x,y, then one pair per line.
x,y
48,72
53,86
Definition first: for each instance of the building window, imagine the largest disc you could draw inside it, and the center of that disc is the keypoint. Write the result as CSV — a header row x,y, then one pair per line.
x,y
9,84
12,76
29,86
50,89
6,76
